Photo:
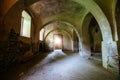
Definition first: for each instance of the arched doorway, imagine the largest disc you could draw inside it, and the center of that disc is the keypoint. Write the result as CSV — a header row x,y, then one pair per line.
x,y
95,39
70,31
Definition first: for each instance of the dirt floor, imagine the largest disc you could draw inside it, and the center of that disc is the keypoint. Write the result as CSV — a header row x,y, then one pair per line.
x,y
58,65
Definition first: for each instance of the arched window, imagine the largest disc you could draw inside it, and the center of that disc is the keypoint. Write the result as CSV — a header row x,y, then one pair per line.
x,y
25,24
41,33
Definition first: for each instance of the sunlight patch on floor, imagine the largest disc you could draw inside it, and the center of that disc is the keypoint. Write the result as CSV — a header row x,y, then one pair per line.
x,y
56,54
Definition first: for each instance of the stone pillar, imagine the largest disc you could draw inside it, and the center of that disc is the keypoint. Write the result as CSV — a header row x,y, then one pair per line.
x,y
73,46
109,52
85,50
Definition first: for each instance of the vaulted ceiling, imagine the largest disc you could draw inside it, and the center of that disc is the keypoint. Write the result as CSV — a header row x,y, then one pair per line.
x,y
46,8
55,6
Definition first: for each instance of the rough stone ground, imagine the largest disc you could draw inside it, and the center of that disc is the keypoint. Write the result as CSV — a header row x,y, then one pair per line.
x,y
58,66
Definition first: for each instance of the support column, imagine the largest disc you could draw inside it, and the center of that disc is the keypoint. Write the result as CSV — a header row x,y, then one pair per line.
x,y
72,45
85,50
109,53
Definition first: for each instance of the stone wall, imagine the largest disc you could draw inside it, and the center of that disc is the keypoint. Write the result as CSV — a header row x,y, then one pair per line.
x,y
14,50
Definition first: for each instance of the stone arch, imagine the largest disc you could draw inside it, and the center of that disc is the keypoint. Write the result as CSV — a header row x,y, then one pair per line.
x,y
86,36
96,11
65,22
69,26
65,31
109,49
113,20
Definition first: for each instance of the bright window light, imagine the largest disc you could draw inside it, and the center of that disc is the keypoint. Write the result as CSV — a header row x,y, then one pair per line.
x,y
58,40
25,24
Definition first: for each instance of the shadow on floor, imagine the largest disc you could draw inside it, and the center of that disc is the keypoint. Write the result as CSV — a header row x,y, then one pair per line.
x,y
16,70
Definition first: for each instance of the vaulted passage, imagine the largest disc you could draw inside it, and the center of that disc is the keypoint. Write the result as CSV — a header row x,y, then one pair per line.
x,y
60,39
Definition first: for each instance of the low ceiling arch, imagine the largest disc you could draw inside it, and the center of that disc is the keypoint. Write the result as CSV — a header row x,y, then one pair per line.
x,y
61,30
